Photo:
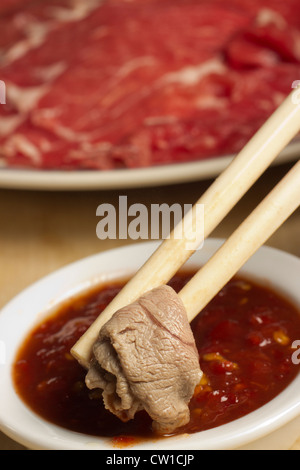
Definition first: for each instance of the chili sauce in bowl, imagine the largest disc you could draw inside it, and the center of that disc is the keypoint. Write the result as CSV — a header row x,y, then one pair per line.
x,y
244,338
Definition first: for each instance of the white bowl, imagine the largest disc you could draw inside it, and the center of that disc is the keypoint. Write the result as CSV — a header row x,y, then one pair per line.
x,y
273,426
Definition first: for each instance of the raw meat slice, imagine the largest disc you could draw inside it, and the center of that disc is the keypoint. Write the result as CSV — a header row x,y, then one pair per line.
x,y
115,84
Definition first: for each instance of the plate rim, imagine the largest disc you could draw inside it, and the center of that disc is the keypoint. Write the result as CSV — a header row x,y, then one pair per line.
x,y
87,180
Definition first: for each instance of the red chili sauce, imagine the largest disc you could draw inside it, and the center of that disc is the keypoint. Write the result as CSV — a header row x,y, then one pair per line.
x,y
244,337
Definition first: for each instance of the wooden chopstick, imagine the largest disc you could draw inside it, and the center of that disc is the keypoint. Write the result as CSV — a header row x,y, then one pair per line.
x,y
218,200
268,216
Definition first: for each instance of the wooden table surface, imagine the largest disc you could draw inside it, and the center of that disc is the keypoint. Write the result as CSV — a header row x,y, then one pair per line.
x,y
43,231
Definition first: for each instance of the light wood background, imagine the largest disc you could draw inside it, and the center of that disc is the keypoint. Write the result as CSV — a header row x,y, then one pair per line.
x,y
43,231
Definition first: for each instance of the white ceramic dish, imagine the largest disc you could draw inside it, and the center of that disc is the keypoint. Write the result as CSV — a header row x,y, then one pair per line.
x,y
273,426
123,179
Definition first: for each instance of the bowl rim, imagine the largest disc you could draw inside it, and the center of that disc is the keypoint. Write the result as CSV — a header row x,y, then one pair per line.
x,y
21,424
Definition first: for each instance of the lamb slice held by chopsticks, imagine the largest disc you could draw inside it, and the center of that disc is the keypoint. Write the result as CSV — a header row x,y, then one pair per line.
x,y
146,358
218,200
283,125
151,354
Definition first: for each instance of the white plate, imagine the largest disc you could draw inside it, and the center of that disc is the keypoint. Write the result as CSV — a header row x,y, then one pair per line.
x,y
122,179
273,426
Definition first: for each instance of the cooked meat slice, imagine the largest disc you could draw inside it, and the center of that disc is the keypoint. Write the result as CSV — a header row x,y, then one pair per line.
x,y
146,358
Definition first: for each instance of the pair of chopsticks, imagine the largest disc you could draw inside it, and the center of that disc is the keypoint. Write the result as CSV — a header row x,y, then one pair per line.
x,y
218,200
